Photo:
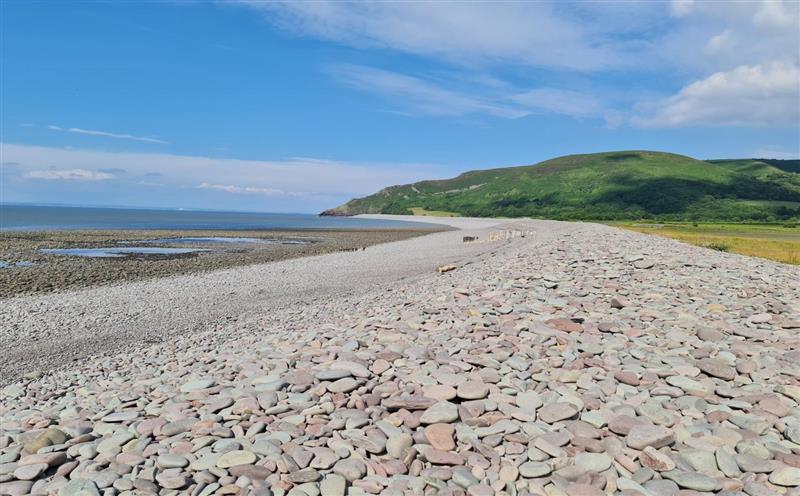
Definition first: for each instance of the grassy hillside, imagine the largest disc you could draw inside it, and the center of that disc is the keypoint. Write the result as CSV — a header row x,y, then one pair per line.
x,y
626,185
784,165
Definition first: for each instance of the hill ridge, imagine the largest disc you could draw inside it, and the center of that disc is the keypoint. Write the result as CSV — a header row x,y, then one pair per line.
x,y
618,185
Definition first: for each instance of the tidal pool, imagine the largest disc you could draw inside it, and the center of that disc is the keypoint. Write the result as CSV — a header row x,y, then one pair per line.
x,y
8,265
119,251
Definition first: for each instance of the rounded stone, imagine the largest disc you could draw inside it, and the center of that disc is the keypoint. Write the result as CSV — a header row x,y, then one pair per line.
x,y
691,480
79,487
480,490
441,412
350,468
555,412
440,392
529,401
532,470
45,438
472,390
440,436
463,477
171,480
508,473
397,443
197,385
121,416
343,385
643,435
662,487
30,472
170,460
593,462
786,476
577,489
333,485
717,368
233,458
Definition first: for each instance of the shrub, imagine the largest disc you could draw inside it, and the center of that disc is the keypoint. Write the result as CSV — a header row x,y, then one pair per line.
x,y
716,245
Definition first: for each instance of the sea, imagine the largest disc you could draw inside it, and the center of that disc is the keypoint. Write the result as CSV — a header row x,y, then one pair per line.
x,y
16,217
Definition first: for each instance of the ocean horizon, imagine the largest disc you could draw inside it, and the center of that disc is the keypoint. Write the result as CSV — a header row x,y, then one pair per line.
x,y
44,217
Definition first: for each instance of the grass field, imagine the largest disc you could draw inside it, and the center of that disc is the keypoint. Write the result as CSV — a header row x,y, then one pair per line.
x,y
774,242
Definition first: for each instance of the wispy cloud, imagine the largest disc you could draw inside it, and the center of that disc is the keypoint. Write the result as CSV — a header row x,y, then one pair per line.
x,y
106,134
690,44
555,35
250,190
570,103
421,95
69,175
452,94
529,33
560,101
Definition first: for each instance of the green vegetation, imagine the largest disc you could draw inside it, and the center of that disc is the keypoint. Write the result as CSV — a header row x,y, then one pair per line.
x,y
433,213
757,163
717,245
627,185
775,242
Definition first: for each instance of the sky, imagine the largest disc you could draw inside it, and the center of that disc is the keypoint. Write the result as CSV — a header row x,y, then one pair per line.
x,y
299,106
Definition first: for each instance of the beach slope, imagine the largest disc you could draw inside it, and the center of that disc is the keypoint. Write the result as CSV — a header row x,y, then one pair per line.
x,y
577,359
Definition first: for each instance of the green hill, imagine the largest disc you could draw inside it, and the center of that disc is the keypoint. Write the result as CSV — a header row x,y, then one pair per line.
x,y
625,185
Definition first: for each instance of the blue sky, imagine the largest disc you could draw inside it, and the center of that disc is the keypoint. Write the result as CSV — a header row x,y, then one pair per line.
x,y
299,106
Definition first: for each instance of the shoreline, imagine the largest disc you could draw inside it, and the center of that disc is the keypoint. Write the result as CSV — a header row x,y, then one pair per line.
x,y
43,331
52,273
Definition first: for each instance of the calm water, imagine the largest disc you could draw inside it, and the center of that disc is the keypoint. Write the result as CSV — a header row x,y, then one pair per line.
x,y
27,217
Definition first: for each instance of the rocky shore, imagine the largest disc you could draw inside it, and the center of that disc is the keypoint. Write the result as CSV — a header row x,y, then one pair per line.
x,y
579,360
41,272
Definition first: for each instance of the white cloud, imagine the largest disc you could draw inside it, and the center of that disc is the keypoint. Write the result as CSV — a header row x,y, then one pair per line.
x,y
106,134
680,8
250,190
69,175
721,42
528,33
423,96
316,177
732,34
766,94
776,14
674,42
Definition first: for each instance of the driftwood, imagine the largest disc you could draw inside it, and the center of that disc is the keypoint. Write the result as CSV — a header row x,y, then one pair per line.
x,y
446,268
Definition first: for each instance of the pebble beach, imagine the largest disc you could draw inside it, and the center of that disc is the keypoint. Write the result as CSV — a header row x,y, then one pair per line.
x,y
42,272
576,360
